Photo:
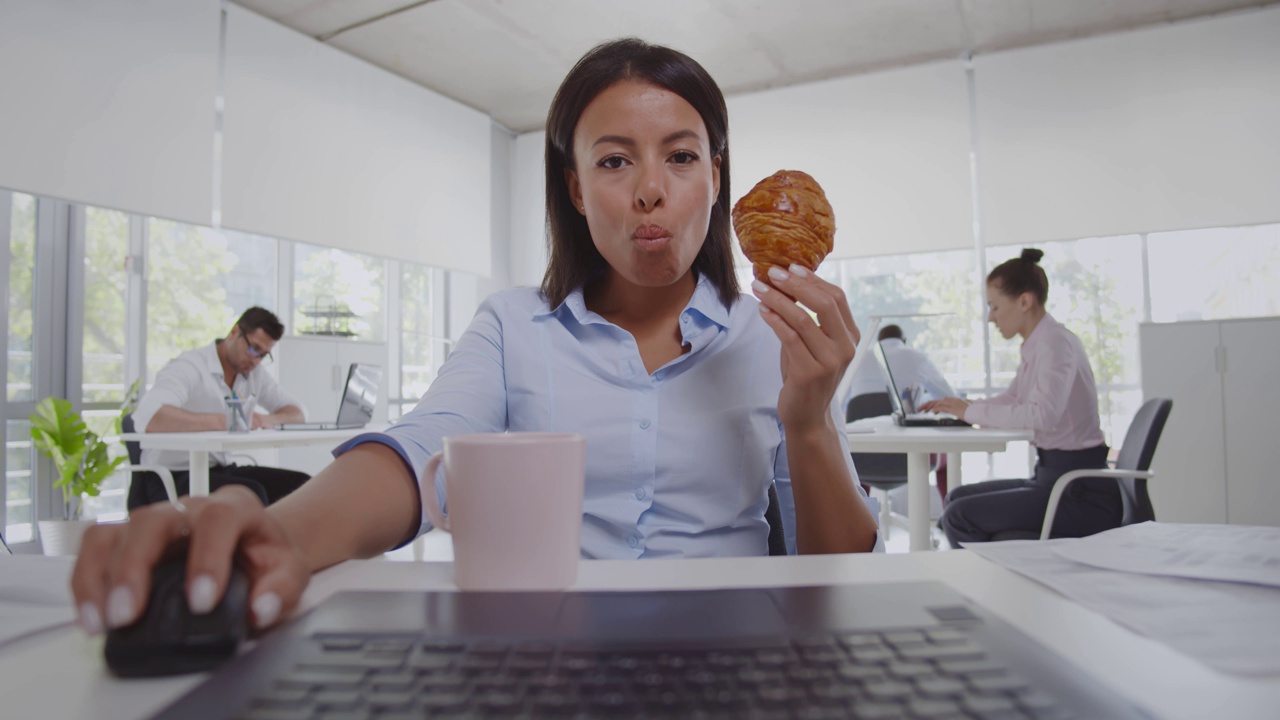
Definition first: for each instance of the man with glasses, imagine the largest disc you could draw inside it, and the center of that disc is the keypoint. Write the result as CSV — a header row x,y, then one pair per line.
x,y
190,394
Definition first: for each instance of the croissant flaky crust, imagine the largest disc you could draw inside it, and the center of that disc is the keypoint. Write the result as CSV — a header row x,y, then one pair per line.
x,y
785,219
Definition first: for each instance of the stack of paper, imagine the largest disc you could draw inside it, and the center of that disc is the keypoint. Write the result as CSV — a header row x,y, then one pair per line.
x,y
1210,591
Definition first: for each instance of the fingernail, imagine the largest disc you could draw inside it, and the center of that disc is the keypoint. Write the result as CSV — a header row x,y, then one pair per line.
x,y
265,608
202,595
778,273
759,287
90,618
119,607
764,309
799,270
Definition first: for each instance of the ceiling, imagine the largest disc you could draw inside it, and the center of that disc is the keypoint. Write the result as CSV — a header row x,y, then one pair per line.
x,y
506,57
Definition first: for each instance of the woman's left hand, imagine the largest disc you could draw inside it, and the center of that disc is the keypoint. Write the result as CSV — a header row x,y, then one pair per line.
x,y
815,354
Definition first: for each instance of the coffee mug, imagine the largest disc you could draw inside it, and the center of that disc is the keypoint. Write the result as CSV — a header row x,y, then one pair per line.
x,y
515,508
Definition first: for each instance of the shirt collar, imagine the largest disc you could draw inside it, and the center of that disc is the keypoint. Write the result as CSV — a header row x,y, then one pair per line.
x,y
1044,329
705,302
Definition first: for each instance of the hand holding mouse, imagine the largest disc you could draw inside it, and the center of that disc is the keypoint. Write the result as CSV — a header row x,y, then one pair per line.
x,y
112,577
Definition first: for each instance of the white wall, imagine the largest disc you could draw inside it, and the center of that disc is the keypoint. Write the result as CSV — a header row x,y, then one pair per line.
x,y
1168,128
1176,127
322,147
111,103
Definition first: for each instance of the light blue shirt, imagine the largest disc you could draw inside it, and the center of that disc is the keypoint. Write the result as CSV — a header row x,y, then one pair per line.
x,y
678,462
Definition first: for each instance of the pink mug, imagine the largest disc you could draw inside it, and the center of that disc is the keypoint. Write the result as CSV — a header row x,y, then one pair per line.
x,y
515,508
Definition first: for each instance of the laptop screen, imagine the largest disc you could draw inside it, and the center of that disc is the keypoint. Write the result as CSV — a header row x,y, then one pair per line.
x,y
901,404
360,395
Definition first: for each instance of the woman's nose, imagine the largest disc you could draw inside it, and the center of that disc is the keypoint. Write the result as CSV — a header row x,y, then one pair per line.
x,y
651,190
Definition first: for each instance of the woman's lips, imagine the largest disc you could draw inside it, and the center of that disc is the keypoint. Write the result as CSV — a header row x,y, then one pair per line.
x,y
651,237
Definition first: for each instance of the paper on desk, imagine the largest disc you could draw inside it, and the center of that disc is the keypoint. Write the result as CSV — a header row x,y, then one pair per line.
x,y
1232,627
1234,553
35,595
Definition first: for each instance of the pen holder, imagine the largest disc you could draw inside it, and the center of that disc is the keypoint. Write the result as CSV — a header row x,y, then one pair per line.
x,y
237,415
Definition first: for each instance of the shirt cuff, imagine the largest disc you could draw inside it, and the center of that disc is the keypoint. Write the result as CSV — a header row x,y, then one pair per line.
x,y
422,522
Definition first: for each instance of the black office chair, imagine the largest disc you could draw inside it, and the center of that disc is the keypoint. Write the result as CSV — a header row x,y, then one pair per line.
x,y
878,471
1132,472
134,450
777,531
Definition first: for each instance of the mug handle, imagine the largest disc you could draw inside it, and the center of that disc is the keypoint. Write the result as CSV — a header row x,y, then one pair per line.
x,y
427,489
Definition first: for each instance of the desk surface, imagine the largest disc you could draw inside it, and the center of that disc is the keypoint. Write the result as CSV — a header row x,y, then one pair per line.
x,y
60,673
887,437
219,441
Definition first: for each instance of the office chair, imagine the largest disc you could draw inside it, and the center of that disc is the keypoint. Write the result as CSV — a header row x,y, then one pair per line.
x,y
878,471
135,466
1132,472
777,531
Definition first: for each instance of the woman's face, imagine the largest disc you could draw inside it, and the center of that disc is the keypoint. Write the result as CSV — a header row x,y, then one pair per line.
x,y
1007,313
645,180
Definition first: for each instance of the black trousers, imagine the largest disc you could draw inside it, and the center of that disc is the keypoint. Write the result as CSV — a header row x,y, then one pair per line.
x,y
976,513
268,483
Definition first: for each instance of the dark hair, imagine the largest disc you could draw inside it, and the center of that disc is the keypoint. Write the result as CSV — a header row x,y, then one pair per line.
x,y
260,318
573,257
1022,274
890,332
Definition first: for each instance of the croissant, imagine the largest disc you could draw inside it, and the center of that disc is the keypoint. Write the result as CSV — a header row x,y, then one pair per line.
x,y
784,219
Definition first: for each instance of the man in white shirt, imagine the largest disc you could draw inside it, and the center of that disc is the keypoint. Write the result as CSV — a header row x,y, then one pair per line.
x,y
910,368
190,394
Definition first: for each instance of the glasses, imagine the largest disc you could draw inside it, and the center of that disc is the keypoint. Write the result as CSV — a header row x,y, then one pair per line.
x,y
254,352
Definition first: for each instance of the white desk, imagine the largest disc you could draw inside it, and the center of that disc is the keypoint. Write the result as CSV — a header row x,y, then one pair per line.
x,y
60,673
198,445
917,443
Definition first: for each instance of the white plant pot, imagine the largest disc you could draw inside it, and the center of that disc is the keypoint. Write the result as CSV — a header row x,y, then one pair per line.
x,y
62,537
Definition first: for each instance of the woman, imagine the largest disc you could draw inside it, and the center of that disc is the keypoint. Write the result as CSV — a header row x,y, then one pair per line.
x,y
1054,396
638,339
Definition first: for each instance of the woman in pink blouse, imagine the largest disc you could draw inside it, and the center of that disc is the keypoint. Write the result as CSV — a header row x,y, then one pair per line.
x,y
1054,396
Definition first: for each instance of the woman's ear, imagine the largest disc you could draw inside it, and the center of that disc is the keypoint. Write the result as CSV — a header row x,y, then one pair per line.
x,y
1026,301
575,190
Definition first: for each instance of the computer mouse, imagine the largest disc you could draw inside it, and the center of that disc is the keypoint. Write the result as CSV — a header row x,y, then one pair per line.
x,y
169,639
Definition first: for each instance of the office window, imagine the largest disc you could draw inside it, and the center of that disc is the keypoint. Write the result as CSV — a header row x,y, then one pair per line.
x,y
22,265
422,349
1214,274
339,293
935,292
106,245
199,280
19,458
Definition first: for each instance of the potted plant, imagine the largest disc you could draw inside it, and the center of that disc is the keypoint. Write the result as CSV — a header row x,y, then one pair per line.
x,y
80,457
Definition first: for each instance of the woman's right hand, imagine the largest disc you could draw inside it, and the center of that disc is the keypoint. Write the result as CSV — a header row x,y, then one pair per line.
x,y
112,577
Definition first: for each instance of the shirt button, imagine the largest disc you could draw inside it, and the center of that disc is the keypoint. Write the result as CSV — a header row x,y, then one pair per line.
x,y
633,541
640,494
684,319
644,424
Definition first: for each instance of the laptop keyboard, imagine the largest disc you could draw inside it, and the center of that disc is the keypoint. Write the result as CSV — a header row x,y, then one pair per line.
x,y
930,673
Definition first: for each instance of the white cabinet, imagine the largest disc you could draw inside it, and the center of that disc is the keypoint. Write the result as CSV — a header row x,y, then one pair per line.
x,y
314,370
1220,452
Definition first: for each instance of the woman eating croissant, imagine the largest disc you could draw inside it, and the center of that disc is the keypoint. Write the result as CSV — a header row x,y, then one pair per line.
x,y
695,399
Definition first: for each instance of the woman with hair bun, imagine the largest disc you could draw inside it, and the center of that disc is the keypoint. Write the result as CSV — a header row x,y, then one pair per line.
x,y
1053,395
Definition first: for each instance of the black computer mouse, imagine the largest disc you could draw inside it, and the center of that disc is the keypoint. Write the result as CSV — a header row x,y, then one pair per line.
x,y
169,639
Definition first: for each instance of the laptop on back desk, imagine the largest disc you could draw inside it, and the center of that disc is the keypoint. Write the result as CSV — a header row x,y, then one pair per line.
x,y
905,409
359,397
887,650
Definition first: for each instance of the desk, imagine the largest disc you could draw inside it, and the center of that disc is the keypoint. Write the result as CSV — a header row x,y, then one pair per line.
x,y
60,673
917,443
198,445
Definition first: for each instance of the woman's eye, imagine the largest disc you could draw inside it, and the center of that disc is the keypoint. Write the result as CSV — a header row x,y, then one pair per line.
x,y
683,157
613,162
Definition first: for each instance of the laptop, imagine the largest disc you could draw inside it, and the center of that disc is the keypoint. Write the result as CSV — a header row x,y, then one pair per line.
x,y
884,650
905,413
359,396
